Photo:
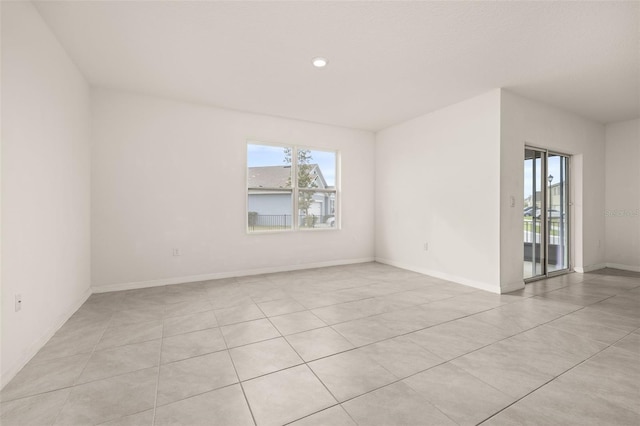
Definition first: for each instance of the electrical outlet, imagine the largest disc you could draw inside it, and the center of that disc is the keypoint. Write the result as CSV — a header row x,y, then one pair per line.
x,y
426,246
18,302
176,252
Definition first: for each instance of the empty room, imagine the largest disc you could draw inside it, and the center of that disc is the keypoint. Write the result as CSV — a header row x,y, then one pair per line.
x,y
320,213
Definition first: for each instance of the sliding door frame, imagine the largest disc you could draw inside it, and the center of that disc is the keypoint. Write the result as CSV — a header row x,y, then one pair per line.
x,y
544,214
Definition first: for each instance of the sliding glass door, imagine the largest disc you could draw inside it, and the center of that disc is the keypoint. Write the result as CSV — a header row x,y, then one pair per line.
x,y
534,262
557,213
546,213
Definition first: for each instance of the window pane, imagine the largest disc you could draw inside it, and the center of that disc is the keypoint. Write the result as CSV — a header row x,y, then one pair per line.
x,y
316,209
269,167
270,210
557,217
316,169
270,197
533,227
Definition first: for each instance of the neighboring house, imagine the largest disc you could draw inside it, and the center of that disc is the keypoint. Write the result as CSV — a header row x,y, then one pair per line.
x,y
554,197
269,195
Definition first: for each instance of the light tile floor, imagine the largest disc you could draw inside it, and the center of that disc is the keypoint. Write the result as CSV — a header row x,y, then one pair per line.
x,y
364,344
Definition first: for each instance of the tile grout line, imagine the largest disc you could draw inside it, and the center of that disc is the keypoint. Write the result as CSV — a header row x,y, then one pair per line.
x,y
306,364
445,361
331,393
537,296
555,378
359,347
246,400
437,365
155,400
73,385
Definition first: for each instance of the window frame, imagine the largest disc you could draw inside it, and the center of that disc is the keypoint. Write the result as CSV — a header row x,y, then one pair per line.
x,y
295,190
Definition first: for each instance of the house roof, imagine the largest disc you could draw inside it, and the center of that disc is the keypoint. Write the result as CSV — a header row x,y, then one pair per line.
x,y
270,177
278,177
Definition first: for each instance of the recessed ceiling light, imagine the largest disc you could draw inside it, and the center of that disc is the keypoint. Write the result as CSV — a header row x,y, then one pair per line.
x,y
319,62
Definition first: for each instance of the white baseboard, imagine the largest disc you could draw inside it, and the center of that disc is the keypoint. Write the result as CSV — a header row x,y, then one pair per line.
x,y
10,372
444,276
623,267
589,268
218,275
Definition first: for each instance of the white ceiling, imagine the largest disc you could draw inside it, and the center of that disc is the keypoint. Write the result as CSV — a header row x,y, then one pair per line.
x,y
389,61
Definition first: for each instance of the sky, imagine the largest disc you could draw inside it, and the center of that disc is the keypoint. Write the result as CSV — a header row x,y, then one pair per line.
x,y
265,155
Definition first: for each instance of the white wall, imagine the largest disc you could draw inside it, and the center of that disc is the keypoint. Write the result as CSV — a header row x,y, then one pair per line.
x,y
622,206
169,174
527,122
438,182
45,185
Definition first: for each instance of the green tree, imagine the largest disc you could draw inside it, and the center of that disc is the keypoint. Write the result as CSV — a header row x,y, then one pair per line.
x,y
306,179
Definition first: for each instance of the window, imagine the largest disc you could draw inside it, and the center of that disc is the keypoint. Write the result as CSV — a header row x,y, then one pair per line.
x,y
291,188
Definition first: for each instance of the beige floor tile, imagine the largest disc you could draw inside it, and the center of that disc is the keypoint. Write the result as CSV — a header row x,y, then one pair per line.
x,y
120,360
130,333
461,396
318,343
543,286
357,309
314,301
350,374
189,377
144,418
297,322
401,357
38,410
262,358
64,344
287,395
217,301
407,320
188,307
557,404
132,316
507,320
566,296
619,305
268,294
44,376
369,330
112,300
280,307
456,338
413,297
539,343
109,399
559,343
82,322
226,406
591,315
334,416
507,371
631,343
192,344
249,332
613,375
581,326
616,283
189,323
184,295
521,415
238,314
396,404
